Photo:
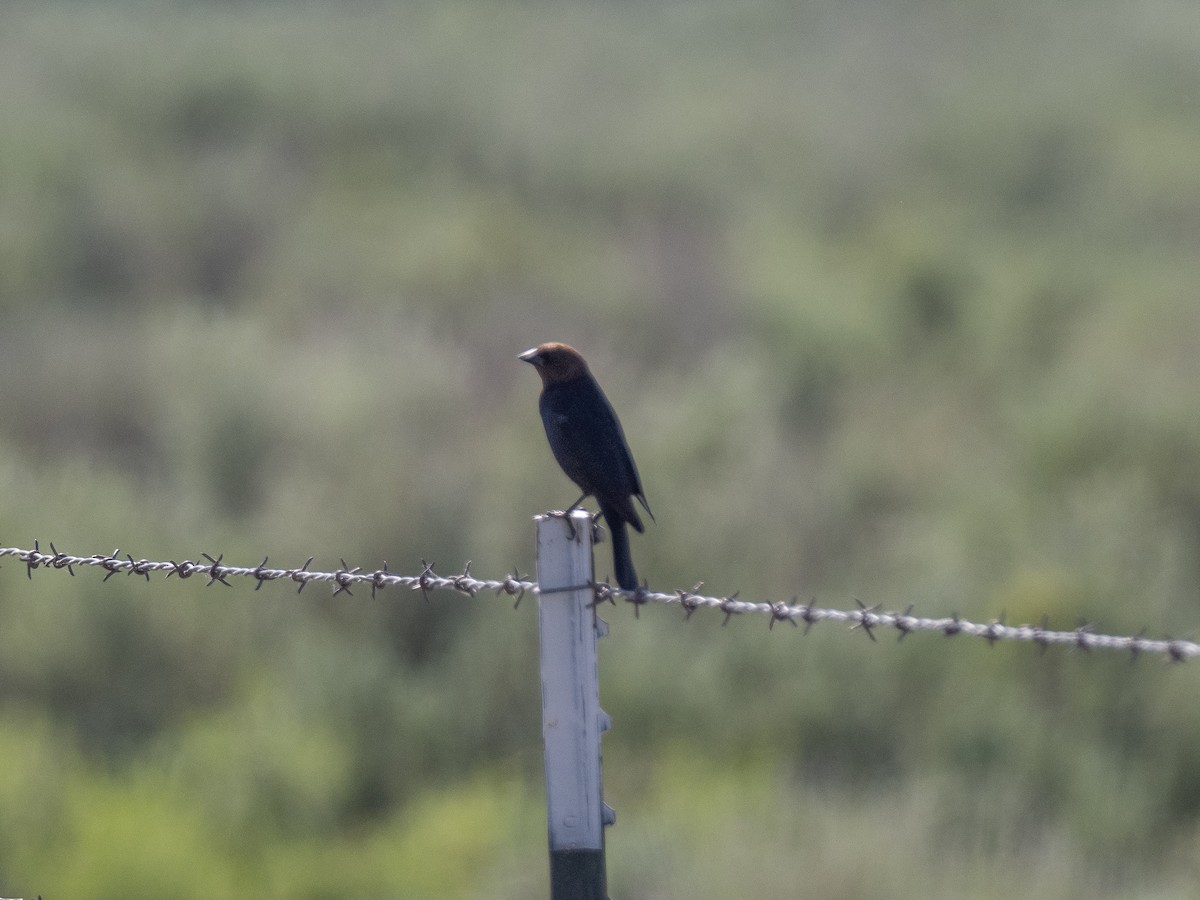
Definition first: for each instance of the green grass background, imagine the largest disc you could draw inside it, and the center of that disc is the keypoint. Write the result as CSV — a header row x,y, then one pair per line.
x,y
897,301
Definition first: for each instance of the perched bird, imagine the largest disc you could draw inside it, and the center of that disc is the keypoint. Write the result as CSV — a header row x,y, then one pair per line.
x,y
588,443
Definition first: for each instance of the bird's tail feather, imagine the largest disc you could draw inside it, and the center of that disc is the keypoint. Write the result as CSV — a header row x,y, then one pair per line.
x,y
622,560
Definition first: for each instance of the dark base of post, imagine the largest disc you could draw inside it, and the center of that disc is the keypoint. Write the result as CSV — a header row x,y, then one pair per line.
x,y
577,875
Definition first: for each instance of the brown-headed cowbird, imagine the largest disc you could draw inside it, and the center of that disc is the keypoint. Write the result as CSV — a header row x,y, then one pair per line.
x,y
588,443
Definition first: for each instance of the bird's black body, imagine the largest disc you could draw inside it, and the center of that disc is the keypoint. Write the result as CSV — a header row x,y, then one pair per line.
x,y
588,442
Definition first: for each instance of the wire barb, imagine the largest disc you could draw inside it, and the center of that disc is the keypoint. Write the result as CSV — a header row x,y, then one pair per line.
x,y
512,585
781,612
639,597
344,578
32,560
728,606
140,567
215,572
463,583
259,573
866,620
602,592
687,600
424,580
379,579
809,617
1083,636
302,575
994,630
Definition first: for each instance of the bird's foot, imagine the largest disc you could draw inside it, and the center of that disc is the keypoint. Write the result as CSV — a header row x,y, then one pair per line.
x,y
565,514
597,529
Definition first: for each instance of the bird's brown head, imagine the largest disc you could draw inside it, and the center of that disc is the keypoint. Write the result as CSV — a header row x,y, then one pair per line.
x,y
556,362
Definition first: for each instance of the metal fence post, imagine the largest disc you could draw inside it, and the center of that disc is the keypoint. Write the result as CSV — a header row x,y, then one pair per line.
x,y
571,716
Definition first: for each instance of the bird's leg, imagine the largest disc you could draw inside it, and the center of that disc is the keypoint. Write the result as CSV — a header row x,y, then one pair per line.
x,y
570,509
597,530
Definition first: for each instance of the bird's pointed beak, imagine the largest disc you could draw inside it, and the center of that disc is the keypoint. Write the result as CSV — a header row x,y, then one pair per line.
x,y
530,356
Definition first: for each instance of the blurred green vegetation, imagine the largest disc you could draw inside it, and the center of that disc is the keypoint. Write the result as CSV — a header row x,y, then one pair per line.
x,y
897,301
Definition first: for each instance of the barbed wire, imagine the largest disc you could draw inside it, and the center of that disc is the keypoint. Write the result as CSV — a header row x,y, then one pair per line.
x,y
868,619
215,570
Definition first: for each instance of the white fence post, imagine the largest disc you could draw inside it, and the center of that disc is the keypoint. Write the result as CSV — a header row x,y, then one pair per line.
x,y
571,716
